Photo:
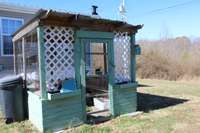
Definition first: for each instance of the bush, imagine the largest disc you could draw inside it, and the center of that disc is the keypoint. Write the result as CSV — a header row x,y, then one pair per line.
x,y
170,59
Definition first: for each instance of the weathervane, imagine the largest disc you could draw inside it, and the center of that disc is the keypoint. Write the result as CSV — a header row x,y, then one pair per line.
x,y
122,10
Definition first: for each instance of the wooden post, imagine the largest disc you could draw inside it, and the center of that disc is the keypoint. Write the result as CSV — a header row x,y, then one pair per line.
x,y
133,59
83,78
80,72
24,57
14,57
41,53
111,69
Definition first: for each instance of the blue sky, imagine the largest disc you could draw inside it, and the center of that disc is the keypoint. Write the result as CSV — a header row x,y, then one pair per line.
x,y
179,21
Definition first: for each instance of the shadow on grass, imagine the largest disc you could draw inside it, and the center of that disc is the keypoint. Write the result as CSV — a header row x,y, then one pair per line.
x,y
148,102
92,120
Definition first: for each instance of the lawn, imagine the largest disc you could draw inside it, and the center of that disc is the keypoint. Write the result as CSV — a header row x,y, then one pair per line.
x,y
167,106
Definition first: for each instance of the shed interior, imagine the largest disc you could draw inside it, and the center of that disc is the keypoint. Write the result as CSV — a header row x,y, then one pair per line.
x,y
71,62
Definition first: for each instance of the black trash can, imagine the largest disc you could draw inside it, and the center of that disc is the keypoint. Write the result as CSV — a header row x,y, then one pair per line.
x,y
12,98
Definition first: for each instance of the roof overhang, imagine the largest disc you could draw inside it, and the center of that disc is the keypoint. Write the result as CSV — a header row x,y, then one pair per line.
x,y
78,21
17,8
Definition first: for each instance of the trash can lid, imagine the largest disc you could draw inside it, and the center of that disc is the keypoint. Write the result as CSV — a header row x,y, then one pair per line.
x,y
10,80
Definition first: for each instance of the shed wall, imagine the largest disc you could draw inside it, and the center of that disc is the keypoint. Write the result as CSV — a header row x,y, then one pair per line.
x,y
53,115
125,100
62,113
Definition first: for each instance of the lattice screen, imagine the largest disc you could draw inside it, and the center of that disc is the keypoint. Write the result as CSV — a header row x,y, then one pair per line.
x,y
122,57
59,51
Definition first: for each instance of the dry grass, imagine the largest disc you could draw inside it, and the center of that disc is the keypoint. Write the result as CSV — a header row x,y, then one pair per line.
x,y
170,106
170,59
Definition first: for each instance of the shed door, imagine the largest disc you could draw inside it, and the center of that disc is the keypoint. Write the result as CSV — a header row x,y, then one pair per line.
x,y
99,64
96,68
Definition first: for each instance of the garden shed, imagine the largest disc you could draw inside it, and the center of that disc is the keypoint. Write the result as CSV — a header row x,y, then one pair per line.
x,y
66,59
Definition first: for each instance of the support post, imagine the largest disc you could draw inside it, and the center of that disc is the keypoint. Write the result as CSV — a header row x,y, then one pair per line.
x,y
133,59
14,56
83,78
24,57
111,69
41,58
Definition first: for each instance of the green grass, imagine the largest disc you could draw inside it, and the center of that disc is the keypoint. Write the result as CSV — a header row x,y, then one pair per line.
x,y
163,114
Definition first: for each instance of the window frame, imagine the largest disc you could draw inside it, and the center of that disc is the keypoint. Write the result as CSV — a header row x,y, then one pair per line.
x,y
2,34
104,54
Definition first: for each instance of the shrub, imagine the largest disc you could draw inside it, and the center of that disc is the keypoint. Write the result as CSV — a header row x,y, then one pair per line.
x,y
170,59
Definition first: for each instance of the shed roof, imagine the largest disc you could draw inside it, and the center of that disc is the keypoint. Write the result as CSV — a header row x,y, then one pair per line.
x,y
54,18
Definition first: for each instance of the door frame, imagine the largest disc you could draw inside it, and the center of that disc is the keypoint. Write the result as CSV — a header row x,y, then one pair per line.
x,y
83,36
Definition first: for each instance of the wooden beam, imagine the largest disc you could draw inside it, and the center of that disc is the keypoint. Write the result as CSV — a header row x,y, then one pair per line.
x,y
25,30
94,35
95,25
41,53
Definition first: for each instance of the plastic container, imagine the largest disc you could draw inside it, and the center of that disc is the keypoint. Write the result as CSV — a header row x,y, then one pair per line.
x,y
12,98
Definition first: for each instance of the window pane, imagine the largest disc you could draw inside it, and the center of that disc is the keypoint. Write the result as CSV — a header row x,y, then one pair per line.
x,y
97,65
7,45
9,26
97,47
5,26
18,24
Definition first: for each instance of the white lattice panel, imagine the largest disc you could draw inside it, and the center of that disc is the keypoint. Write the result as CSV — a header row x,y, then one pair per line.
x,y
122,57
59,52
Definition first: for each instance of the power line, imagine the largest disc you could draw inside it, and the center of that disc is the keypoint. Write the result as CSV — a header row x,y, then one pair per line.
x,y
169,7
173,6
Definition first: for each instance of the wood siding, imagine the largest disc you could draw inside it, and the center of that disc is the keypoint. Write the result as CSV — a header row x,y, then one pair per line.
x,y
53,115
125,100
35,110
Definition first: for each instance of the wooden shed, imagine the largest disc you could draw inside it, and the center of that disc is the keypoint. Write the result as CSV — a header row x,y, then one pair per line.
x,y
68,60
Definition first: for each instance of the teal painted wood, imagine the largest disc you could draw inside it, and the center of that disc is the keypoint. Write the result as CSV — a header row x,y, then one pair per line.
x,y
83,37
111,68
125,100
35,110
52,115
133,59
94,35
83,79
77,61
80,73
62,113
41,52
137,50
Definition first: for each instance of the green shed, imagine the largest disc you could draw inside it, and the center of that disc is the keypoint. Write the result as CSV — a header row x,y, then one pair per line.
x,y
72,62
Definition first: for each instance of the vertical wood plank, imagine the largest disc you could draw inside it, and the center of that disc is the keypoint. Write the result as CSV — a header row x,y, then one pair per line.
x,y
133,59
105,56
24,57
83,79
111,68
14,57
41,53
